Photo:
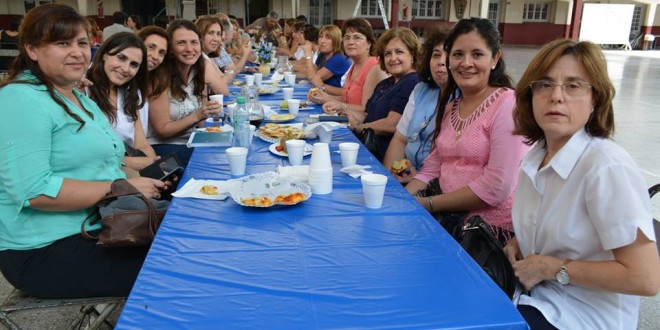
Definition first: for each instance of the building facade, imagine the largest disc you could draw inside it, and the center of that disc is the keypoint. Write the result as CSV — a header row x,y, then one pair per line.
x,y
521,22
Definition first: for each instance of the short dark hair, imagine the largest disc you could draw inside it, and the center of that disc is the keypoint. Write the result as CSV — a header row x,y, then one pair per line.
x,y
119,17
435,36
15,22
361,25
311,33
301,18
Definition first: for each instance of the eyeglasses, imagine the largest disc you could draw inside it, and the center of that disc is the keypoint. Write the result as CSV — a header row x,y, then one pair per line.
x,y
355,37
573,88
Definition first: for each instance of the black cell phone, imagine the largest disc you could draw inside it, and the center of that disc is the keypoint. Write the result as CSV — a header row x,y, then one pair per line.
x,y
339,119
164,169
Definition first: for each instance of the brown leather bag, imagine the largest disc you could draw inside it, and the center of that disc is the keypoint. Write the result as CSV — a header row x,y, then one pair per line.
x,y
128,218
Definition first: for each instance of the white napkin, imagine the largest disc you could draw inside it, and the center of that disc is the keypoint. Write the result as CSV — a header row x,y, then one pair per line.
x,y
355,171
192,189
311,131
277,76
297,173
267,110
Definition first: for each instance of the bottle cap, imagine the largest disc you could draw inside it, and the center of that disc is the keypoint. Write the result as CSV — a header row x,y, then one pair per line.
x,y
240,100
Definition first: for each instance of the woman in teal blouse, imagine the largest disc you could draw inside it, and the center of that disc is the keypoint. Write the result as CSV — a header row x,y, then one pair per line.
x,y
58,157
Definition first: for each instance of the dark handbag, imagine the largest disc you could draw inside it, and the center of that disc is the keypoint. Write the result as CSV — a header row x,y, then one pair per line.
x,y
478,241
368,138
452,222
128,218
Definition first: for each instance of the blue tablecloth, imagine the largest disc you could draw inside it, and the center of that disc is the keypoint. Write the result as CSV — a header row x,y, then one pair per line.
x,y
326,263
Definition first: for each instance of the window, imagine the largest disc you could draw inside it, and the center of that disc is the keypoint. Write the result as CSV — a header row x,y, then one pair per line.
x,y
320,12
493,11
536,12
29,4
427,9
371,8
636,25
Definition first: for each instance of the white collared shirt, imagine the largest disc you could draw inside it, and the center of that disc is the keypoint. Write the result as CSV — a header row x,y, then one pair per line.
x,y
589,199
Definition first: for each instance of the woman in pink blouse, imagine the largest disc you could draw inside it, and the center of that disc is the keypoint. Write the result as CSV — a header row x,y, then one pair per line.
x,y
475,156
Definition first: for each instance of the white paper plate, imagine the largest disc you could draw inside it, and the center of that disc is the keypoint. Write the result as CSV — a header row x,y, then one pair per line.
x,y
266,184
224,128
265,90
308,150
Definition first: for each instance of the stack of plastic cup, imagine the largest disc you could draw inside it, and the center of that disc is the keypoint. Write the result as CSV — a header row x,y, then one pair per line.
x,y
320,170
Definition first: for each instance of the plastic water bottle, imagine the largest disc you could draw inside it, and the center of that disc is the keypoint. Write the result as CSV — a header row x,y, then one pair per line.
x,y
240,122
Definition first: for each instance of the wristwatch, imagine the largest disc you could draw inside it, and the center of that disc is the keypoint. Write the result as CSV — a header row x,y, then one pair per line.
x,y
322,87
562,274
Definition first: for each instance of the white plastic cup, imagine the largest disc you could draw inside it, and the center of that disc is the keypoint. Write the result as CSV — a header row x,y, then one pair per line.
x,y
252,130
288,92
249,80
286,73
217,98
257,78
325,135
320,180
348,152
290,79
294,106
237,157
320,157
373,188
296,150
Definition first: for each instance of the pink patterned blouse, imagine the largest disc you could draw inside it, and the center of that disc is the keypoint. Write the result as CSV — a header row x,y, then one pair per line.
x,y
480,152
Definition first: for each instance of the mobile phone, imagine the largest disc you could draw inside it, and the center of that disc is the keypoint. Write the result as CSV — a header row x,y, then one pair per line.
x,y
164,169
340,119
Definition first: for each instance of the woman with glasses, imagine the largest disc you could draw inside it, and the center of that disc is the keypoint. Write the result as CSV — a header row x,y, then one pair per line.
x,y
359,45
331,63
413,137
474,156
119,81
584,245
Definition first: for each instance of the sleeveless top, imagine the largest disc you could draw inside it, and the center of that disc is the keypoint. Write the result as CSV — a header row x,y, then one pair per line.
x,y
178,110
353,87
7,41
123,125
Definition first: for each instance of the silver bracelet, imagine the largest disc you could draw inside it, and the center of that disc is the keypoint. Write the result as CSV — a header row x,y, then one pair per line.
x,y
430,203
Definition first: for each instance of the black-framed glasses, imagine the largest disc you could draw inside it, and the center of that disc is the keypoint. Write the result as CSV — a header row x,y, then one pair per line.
x,y
572,88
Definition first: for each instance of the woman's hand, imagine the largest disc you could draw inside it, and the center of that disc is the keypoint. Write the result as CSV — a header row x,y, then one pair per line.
x,y
331,107
149,187
406,176
209,109
320,97
316,81
535,268
138,163
246,49
512,250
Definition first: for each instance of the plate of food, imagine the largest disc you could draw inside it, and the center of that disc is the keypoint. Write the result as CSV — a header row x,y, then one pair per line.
x,y
266,189
280,150
281,118
272,133
304,105
265,90
216,129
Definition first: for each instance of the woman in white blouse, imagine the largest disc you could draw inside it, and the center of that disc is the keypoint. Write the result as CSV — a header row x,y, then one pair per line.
x,y
584,245
119,77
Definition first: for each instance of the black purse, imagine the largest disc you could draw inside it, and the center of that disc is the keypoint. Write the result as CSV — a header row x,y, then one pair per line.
x,y
478,241
452,222
368,138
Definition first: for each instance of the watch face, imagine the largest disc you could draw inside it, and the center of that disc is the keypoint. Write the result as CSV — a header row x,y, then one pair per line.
x,y
562,277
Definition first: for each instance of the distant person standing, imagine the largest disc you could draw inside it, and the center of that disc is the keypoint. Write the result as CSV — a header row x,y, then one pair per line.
x,y
266,28
118,19
134,23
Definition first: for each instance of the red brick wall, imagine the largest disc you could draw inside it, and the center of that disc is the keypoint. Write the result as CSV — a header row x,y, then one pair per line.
x,y
530,33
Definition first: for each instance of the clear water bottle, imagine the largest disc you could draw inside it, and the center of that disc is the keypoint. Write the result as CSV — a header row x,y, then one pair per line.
x,y
240,122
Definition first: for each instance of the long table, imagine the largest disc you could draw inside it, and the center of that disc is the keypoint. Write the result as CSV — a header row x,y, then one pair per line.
x,y
326,263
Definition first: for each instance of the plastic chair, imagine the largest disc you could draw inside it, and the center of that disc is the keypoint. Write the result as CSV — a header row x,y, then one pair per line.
x,y
19,301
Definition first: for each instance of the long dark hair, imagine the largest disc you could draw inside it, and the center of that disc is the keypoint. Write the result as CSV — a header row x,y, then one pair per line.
x,y
135,89
178,82
42,25
497,77
158,78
